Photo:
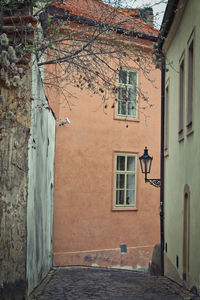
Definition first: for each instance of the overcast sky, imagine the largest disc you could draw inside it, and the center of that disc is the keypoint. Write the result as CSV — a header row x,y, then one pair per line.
x,y
157,5
158,8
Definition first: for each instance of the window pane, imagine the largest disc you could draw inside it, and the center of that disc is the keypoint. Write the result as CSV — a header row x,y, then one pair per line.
x,y
133,78
120,181
119,107
130,197
122,76
120,197
131,109
132,95
121,93
131,163
123,108
121,163
130,181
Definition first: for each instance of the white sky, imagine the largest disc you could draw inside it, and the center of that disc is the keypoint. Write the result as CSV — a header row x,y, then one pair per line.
x,y
157,5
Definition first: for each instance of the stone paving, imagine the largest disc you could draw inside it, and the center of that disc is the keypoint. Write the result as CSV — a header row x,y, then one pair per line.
x,y
72,283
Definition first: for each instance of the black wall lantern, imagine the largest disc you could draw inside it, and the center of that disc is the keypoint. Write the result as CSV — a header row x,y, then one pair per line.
x,y
145,163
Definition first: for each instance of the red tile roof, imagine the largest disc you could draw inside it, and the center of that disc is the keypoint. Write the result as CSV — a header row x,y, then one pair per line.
x,y
96,10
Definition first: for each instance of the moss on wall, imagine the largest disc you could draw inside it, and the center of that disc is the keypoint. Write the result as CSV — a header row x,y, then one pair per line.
x,y
14,136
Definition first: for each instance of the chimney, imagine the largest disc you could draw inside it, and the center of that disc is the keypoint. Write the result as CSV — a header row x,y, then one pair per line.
x,y
146,15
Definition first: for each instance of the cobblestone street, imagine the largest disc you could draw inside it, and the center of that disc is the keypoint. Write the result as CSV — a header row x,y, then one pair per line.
x,y
100,283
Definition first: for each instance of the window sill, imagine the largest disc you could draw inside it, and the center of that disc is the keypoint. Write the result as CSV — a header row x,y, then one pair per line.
x,y
181,136
166,152
129,119
189,129
124,208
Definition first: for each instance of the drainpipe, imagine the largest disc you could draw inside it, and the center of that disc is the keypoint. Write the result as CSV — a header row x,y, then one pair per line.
x,y
162,165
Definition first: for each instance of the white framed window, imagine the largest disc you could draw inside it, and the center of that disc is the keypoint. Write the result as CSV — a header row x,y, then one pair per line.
x,y
127,93
190,83
125,180
166,120
181,96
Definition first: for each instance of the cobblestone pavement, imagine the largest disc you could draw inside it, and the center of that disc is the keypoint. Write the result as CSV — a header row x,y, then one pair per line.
x,y
100,283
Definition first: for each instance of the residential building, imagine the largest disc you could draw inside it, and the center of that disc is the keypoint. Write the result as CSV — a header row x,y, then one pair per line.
x,y
179,43
104,213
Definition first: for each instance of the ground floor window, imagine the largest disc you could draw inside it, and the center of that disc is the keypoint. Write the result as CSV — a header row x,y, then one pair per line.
x,y
125,179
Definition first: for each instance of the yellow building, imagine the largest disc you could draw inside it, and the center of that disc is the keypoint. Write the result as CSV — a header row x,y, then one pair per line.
x,y
179,42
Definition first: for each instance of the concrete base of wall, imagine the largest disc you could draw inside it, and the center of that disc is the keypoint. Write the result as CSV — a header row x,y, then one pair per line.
x,y
156,263
136,258
170,270
172,273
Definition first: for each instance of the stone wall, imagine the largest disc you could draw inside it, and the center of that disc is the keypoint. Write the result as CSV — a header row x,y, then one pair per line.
x,y
15,109
27,135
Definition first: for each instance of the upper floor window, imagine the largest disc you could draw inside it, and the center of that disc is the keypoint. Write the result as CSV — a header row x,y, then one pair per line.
x,y
125,179
190,83
181,96
166,120
127,93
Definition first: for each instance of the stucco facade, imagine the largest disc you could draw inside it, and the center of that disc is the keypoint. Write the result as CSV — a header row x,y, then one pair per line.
x,y
89,229
182,156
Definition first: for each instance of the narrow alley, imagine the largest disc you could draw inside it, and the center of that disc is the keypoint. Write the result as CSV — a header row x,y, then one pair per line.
x,y
83,283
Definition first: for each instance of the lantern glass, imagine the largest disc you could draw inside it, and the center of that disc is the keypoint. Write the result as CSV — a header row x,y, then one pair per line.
x,y
142,164
145,162
148,164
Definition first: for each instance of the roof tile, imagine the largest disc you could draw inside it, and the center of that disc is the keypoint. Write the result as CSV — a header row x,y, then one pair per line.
x,y
98,11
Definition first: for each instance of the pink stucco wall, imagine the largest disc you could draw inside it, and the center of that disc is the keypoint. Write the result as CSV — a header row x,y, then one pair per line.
x,y
87,230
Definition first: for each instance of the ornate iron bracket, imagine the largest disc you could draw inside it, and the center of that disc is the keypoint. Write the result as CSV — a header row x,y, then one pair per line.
x,y
154,182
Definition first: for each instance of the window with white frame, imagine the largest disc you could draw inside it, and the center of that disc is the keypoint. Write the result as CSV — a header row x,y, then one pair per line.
x,y
166,119
127,93
125,179
190,81
181,96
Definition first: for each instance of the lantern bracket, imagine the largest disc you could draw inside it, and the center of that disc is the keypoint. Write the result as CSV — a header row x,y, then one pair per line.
x,y
154,182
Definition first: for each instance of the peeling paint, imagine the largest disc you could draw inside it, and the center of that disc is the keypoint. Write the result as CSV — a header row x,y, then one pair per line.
x,y
95,265
107,258
122,267
40,189
142,268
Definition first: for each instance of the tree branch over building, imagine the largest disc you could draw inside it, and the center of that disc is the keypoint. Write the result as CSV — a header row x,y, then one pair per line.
x,y
83,43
